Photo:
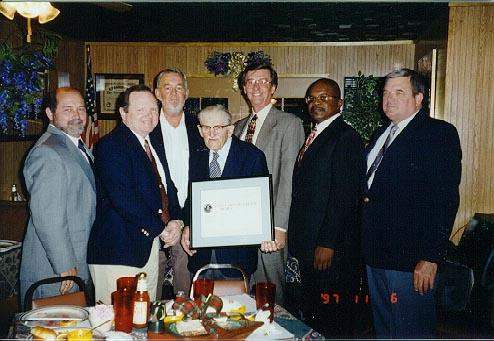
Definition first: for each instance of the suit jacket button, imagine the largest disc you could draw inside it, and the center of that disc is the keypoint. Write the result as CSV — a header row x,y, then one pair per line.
x,y
160,185
366,199
160,211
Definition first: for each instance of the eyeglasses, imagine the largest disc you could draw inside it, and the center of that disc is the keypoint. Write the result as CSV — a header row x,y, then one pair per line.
x,y
320,98
215,129
249,83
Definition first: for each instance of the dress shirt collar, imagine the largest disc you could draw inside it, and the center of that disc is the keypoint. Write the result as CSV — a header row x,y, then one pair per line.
x,y
75,140
324,124
166,125
223,154
261,115
401,125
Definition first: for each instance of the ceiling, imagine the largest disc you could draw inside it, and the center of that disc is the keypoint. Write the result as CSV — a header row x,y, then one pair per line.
x,y
251,21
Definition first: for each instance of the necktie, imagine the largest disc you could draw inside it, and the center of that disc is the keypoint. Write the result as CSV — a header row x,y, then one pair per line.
x,y
308,142
81,146
214,167
381,152
165,214
251,129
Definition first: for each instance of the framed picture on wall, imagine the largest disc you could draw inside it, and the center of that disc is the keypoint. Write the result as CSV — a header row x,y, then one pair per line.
x,y
109,86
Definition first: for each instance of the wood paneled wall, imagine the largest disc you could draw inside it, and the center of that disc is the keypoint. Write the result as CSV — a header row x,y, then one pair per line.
x,y
298,64
470,102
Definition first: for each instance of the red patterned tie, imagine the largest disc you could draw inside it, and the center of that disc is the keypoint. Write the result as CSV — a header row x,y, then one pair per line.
x,y
308,142
165,214
251,129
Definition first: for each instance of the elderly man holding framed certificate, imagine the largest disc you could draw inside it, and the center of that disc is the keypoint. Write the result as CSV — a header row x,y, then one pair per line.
x,y
227,157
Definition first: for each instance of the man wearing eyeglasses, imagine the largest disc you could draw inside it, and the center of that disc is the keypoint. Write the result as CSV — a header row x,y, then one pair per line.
x,y
279,135
322,229
225,156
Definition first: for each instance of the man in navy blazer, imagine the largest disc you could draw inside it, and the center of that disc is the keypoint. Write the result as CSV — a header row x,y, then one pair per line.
x,y
124,238
410,203
323,223
236,158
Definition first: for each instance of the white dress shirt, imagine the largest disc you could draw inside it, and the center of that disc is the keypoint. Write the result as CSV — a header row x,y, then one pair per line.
x,y
177,154
261,117
222,154
156,158
380,143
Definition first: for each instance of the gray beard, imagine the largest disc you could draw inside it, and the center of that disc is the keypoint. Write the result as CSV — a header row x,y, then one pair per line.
x,y
74,127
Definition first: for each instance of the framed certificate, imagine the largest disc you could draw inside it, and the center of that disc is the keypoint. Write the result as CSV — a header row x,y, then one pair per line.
x,y
109,86
231,212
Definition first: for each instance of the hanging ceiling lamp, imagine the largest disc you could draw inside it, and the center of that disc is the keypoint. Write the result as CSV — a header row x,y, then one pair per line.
x,y
43,10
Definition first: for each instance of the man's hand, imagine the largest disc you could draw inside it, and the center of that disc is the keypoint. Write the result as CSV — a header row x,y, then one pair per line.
x,y
423,276
172,232
66,286
278,243
186,241
323,257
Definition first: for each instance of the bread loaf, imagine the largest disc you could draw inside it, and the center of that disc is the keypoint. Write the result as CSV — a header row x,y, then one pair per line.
x,y
42,333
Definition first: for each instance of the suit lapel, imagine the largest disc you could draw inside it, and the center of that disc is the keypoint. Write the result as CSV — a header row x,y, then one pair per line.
x,y
241,125
232,166
322,139
265,134
74,153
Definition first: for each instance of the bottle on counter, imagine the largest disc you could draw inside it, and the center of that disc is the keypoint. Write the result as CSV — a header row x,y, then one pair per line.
x,y
13,193
141,302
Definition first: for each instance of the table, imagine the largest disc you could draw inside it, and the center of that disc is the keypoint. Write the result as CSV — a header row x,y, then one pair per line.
x,y
286,320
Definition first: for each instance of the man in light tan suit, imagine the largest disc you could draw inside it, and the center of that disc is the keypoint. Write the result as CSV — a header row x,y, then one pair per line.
x,y
280,136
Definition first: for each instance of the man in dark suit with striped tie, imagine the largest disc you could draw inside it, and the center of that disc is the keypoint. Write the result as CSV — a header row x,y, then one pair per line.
x,y
322,229
410,203
225,156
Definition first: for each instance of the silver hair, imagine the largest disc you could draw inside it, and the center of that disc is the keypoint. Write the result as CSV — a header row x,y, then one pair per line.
x,y
170,70
218,108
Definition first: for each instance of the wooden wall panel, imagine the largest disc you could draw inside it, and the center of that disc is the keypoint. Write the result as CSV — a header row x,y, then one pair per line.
x,y
12,156
469,103
297,64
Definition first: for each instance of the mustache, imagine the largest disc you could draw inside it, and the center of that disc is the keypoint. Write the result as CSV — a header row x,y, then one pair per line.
x,y
75,121
314,109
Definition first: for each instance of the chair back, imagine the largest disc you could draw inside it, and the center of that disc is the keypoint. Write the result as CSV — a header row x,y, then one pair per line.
x,y
223,287
80,298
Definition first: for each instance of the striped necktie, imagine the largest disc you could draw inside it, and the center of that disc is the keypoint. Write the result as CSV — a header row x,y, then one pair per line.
x,y
214,167
251,129
165,214
380,155
308,142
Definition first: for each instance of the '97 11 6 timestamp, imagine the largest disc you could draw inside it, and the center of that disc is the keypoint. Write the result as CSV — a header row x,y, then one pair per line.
x,y
336,298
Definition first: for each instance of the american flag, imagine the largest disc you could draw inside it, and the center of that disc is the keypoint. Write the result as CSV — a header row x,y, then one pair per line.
x,y
91,133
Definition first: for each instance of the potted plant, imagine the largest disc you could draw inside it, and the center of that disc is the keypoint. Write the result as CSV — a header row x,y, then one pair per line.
x,y
363,105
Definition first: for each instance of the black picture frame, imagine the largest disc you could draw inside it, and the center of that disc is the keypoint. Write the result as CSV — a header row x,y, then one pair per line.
x,y
108,87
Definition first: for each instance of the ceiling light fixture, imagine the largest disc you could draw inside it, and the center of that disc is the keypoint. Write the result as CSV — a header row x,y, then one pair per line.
x,y
43,10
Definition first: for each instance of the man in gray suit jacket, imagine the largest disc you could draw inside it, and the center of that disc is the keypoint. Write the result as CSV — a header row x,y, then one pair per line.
x,y
279,135
62,207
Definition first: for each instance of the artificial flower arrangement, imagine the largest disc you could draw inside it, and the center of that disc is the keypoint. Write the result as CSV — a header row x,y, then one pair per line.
x,y
231,64
21,82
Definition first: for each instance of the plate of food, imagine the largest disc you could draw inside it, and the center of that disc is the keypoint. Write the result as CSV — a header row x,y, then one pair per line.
x,y
54,316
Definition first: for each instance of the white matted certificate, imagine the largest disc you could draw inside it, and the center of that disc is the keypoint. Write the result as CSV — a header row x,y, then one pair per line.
x,y
231,212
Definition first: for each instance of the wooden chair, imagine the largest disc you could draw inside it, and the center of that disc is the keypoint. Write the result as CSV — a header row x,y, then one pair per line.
x,y
223,287
80,298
